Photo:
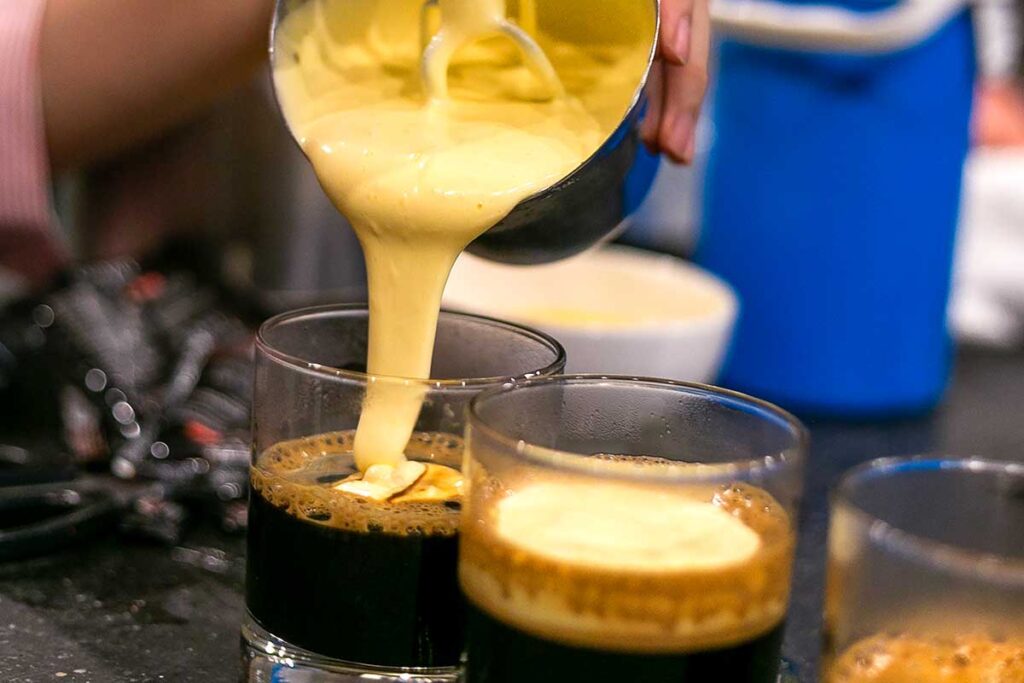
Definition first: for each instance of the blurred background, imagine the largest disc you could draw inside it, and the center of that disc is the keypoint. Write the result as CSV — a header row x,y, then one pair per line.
x,y
856,197
849,240
234,182
855,209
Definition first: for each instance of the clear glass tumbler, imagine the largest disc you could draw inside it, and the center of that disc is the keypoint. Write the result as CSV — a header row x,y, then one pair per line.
x,y
621,529
926,573
340,587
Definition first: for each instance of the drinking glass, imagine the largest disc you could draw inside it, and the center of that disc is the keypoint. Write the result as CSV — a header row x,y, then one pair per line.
x,y
338,588
926,573
622,529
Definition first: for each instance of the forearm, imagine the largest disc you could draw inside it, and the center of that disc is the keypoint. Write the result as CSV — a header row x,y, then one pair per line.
x,y
117,71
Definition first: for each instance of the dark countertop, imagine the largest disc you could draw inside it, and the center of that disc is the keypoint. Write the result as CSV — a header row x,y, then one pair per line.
x,y
113,612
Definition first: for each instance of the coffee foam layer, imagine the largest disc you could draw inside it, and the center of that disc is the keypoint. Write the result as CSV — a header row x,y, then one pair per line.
x,y
301,478
907,659
627,567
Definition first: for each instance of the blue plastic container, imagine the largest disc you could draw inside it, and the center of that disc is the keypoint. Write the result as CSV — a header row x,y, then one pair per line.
x,y
831,204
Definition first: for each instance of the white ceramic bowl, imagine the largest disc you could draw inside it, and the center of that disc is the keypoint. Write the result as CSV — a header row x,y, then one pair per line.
x,y
616,310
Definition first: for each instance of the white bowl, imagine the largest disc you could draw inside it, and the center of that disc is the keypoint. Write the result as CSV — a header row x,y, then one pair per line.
x,y
616,310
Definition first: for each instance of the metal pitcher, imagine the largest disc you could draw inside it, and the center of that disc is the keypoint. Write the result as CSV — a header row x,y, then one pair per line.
x,y
588,206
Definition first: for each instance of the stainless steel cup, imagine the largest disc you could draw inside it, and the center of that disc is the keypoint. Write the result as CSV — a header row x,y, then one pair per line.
x,y
588,206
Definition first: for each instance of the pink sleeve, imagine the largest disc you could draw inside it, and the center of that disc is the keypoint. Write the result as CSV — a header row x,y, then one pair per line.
x,y
27,241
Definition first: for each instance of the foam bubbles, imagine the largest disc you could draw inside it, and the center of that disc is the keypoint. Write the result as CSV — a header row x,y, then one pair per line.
x,y
300,476
908,659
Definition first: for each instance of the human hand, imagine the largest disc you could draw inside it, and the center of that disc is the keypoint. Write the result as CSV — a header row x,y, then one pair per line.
x,y
678,79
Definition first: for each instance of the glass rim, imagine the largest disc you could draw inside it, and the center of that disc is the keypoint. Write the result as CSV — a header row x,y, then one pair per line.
x,y
580,463
945,555
541,338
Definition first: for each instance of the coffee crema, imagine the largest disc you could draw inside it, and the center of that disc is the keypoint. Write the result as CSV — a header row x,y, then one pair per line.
x,y
627,567
910,659
301,478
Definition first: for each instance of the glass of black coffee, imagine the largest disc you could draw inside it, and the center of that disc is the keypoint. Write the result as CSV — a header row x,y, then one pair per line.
x,y
926,573
620,529
343,583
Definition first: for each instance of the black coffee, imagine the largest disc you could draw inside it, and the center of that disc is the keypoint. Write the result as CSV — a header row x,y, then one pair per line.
x,y
501,654
349,578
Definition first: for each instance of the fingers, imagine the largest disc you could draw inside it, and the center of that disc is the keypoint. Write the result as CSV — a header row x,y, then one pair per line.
x,y
674,43
682,89
655,102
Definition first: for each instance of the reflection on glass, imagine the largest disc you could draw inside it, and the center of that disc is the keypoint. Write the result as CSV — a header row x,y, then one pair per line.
x,y
627,530
357,571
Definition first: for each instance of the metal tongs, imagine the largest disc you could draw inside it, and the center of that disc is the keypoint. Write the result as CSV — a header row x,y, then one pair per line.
x,y
477,19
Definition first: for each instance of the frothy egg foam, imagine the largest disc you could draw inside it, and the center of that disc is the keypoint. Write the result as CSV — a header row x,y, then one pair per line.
x,y
306,478
420,180
622,527
626,566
